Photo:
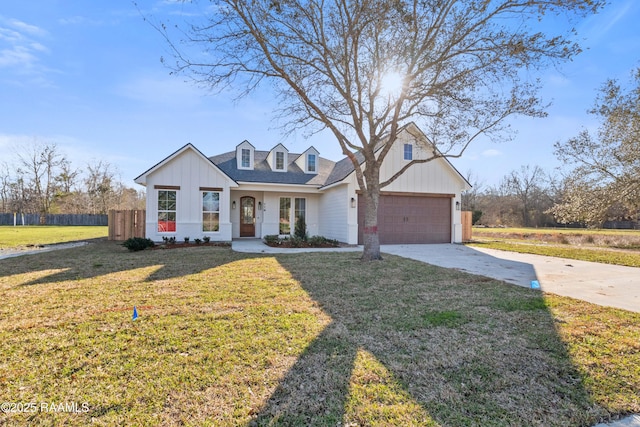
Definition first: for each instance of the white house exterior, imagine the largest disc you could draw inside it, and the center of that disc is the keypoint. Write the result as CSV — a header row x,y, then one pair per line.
x,y
253,193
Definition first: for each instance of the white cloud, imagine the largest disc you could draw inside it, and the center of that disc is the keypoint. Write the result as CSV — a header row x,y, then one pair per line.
x,y
21,49
558,80
17,56
599,25
492,152
23,27
79,20
615,16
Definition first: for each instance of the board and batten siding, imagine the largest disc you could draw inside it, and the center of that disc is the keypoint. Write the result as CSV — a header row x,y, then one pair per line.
x,y
337,219
434,177
190,172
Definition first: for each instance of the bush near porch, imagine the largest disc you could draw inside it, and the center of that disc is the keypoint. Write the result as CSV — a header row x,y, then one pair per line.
x,y
274,240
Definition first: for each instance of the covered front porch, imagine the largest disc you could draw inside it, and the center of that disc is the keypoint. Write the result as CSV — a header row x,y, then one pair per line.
x,y
255,214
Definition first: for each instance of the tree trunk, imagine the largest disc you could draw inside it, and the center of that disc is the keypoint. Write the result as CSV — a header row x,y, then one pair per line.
x,y
371,195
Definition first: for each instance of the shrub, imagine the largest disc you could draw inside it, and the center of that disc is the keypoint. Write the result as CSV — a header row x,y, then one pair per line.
x,y
297,242
197,241
300,230
271,239
206,239
475,217
186,239
137,243
321,241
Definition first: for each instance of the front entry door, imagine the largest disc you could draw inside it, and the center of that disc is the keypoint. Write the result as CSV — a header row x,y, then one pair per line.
x,y
247,217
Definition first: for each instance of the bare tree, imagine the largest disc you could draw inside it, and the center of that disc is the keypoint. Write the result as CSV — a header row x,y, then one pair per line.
x,y
606,166
39,164
5,187
470,198
67,179
499,205
100,187
457,63
526,186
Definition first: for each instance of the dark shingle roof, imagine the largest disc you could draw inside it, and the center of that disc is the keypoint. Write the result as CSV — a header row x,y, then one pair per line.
x,y
328,171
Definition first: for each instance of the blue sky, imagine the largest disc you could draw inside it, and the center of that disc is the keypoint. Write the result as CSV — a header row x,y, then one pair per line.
x,y
87,76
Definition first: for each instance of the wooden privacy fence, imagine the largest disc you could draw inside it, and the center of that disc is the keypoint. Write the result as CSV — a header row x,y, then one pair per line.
x,y
126,224
466,225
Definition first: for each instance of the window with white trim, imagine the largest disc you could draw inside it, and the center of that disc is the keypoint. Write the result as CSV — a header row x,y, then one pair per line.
x,y
311,162
210,211
167,208
408,152
279,160
289,216
300,209
246,158
285,216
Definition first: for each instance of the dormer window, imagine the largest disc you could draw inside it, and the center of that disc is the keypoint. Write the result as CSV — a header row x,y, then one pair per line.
x,y
246,158
279,160
311,162
244,155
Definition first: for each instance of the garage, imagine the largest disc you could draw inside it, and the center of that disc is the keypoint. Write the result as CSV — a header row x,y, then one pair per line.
x,y
415,218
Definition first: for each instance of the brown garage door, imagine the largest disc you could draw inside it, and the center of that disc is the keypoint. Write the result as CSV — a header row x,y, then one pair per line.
x,y
410,219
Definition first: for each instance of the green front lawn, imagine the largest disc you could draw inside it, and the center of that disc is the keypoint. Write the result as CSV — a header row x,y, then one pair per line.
x,y
619,247
601,255
29,235
303,339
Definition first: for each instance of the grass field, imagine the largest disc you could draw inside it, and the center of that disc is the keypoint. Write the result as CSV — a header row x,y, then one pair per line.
x,y
304,339
23,236
620,247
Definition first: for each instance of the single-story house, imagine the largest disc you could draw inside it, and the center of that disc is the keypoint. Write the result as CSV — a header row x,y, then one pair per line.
x,y
253,193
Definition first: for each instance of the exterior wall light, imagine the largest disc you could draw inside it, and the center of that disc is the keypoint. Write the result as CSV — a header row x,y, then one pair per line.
x,y
233,204
457,206
353,202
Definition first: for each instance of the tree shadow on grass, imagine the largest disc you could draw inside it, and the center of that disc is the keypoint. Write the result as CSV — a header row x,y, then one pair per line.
x,y
466,349
313,392
101,258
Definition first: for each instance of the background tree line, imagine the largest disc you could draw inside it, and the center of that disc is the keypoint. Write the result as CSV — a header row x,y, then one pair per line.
x,y
599,181
41,179
532,197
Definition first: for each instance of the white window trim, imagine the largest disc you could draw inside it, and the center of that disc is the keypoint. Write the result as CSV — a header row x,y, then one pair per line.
x,y
158,211
202,211
292,213
404,152
284,161
240,165
291,209
315,156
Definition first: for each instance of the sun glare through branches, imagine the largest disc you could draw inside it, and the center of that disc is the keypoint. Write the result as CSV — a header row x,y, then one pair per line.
x,y
391,84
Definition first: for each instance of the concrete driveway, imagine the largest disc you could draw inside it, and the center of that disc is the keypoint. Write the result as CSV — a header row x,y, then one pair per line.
x,y
603,284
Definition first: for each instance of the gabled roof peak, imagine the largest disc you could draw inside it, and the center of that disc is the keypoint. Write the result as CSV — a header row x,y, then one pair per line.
x,y
245,142
281,146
